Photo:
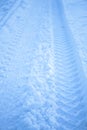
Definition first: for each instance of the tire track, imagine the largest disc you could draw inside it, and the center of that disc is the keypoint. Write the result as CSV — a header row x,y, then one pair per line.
x,y
13,60
77,21
46,83
10,42
8,46
68,76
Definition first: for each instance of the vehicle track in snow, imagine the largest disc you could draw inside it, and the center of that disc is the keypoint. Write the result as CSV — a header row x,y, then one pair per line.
x,y
78,21
10,64
6,8
68,74
43,80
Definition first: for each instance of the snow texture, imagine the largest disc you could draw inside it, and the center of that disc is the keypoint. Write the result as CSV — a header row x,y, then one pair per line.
x,y
43,72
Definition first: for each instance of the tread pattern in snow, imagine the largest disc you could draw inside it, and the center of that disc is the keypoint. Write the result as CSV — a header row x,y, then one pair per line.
x,y
68,77
43,85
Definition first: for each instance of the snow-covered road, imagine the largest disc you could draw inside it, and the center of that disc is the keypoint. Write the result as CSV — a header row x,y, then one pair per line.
x,y
41,76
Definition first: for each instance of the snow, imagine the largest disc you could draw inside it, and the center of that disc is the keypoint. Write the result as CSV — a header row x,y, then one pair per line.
x,y
43,65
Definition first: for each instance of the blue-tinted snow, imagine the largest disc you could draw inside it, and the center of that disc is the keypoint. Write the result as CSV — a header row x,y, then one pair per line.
x,y
42,79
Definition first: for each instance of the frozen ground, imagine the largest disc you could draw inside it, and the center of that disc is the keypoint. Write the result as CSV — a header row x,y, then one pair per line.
x,y
42,68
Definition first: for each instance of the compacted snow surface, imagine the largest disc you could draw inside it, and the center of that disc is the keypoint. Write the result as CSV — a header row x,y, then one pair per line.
x,y
43,65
